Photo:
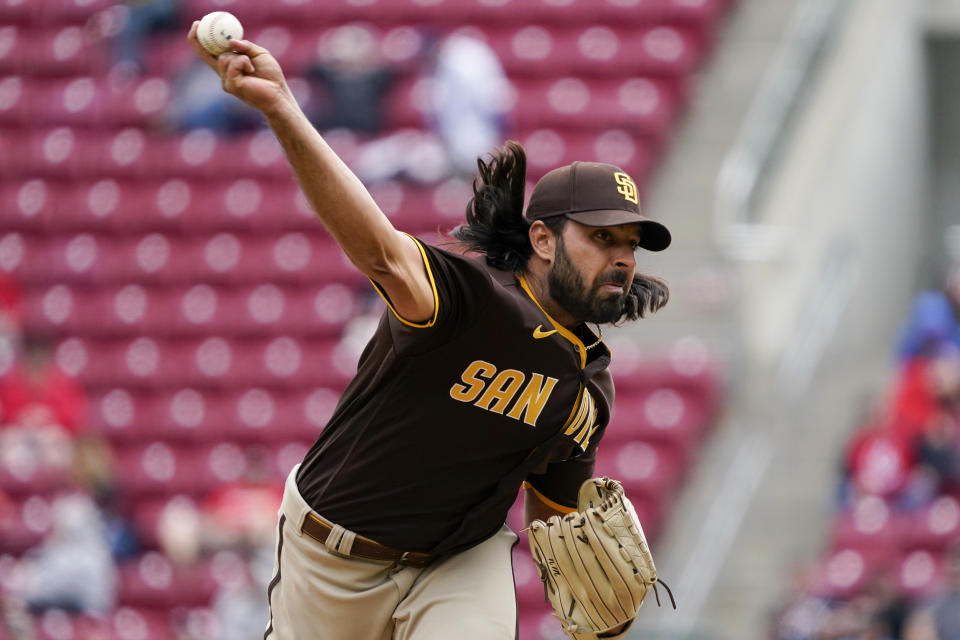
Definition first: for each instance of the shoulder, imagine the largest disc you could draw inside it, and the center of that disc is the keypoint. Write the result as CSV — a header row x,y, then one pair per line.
x,y
473,266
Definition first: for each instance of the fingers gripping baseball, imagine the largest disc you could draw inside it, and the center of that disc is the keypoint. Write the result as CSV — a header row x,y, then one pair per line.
x,y
248,72
233,69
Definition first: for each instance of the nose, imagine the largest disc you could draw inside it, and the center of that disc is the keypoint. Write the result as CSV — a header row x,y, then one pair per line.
x,y
624,257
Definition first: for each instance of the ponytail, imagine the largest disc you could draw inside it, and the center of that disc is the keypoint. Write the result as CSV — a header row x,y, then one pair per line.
x,y
495,224
647,295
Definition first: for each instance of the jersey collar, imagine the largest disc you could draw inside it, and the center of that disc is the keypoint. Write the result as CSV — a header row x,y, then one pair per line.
x,y
563,331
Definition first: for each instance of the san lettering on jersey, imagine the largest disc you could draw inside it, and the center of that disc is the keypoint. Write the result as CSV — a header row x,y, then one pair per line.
x,y
520,396
508,392
584,422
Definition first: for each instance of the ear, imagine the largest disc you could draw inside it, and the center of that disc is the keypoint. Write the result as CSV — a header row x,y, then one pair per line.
x,y
543,241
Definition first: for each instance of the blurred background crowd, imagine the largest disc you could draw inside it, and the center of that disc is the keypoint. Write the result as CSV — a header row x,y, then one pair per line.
x,y
176,327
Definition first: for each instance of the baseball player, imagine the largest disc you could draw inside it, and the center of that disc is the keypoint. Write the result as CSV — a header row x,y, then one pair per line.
x,y
482,377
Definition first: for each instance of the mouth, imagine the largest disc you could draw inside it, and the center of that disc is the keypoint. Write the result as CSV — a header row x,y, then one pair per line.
x,y
611,287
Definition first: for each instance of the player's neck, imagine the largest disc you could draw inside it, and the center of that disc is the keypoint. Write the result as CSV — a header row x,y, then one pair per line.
x,y
539,287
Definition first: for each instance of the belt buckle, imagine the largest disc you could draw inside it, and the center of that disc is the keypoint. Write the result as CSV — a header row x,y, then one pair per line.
x,y
404,558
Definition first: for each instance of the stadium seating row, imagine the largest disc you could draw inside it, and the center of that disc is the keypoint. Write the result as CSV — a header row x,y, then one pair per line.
x,y
173,195
873,527
435,12
209,362
153,473
155,258
601,49
64,153
193,310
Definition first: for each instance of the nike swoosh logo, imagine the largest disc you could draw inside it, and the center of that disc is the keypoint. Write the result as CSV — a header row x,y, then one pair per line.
x,y
540,333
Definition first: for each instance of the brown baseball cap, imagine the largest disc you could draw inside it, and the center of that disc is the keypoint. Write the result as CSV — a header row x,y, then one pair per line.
x,y
597,195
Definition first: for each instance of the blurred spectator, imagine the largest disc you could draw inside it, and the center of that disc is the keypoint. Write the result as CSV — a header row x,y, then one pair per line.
x,y
467,103
35,391
241,515
137,20
72,568
41,411
239,604
198,103
95,473
236,516
932,320
937,452
352,81
470,99
926,386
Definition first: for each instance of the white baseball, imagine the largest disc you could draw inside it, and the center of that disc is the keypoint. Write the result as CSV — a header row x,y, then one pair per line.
x,y
217,29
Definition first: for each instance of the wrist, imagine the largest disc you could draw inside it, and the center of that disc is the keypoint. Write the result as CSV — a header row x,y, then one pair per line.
x,y
283,108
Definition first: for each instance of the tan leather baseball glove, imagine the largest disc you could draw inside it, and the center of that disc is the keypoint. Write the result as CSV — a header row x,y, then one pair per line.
x,y
595,564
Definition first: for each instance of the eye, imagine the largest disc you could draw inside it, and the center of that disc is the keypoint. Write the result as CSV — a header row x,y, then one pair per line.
x,y
602,234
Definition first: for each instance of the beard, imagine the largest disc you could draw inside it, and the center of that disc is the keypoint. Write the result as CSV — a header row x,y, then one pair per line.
x,y
567,289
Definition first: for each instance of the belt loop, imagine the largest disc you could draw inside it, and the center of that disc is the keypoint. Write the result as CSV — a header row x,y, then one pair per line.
x,y
340,540
333,538
346,542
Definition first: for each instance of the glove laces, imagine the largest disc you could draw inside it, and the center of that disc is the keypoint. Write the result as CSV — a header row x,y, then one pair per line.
x,y
657,593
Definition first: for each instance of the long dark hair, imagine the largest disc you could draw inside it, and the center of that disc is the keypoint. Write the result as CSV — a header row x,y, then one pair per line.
x,y
495,224
647,294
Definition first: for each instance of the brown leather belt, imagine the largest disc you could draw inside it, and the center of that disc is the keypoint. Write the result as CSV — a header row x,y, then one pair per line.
x,y
365,548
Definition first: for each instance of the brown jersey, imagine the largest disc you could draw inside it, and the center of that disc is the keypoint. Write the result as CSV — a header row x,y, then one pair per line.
x,y
446,419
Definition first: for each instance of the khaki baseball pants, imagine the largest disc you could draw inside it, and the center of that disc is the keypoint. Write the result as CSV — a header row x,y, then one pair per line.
x,y
316,594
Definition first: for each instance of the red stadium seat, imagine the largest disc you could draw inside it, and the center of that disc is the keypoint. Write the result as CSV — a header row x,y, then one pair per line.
x,y
16,99
57,309
255,155
285,455
135,622
19,13
191,415
648,472
33,205
664,416
597,50
846,572
142,361
53,152
920,575
80,257
141,103
935,526
152,469
870,525
61,51
77,101
639,105
53,12
24,523
122,416
12,48
153,581
548,148
201,309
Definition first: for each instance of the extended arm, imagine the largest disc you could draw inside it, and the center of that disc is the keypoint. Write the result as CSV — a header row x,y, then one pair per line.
x,y
342,203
